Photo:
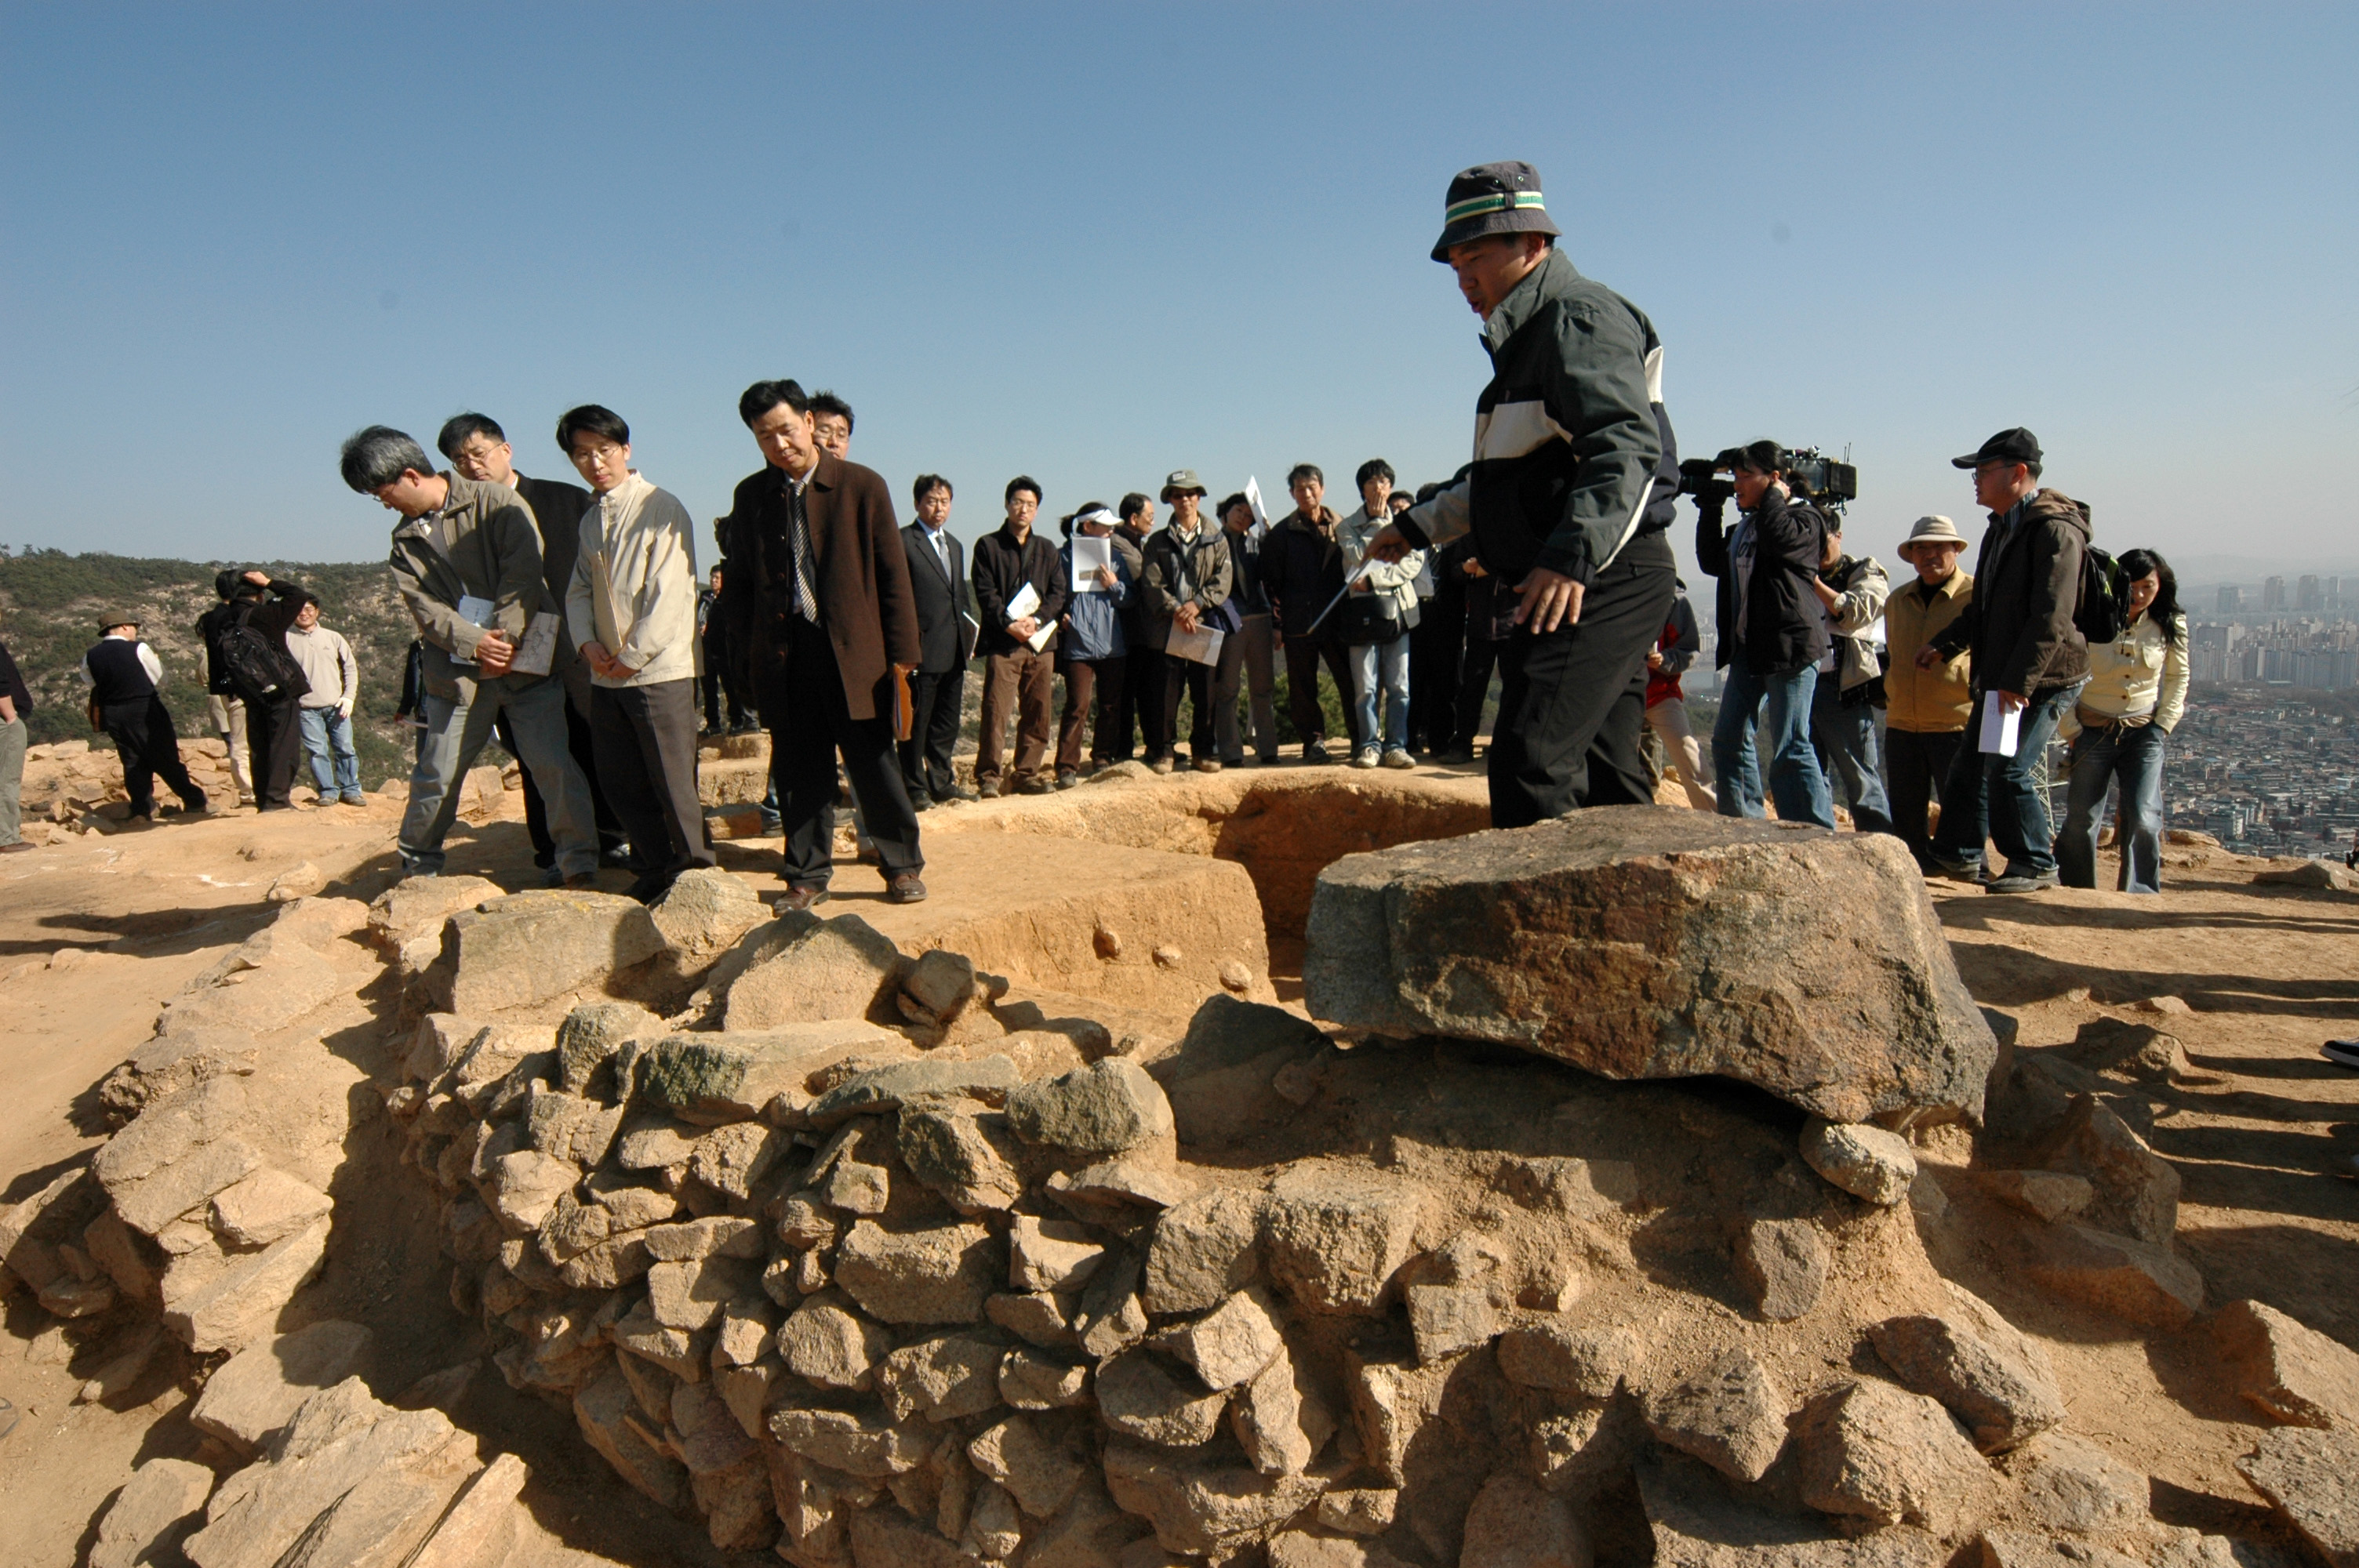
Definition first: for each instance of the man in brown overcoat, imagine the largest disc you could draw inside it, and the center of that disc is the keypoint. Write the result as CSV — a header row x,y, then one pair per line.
x,y
817,604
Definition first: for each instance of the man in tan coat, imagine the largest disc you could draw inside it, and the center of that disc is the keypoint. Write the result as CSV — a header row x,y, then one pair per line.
x,y
1927,704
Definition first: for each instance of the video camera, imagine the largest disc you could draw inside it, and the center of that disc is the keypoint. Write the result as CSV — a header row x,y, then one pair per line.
x,y
1811,474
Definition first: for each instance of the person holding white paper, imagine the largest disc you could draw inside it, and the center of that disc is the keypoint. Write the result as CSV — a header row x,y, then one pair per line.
x,y
459,539
2028,658
1374,622
630,611
1091,648
1186,591
1019,594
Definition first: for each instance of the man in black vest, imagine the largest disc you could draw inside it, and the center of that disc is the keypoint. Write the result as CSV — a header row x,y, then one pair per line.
x,y
123,677
479,450
938,584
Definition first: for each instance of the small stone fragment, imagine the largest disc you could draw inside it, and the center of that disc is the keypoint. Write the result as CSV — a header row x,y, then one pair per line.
x,y
2050,1196
1039,1472
1103,1109
1730,1414
832,1345
1514,1524
1864,1161
1033,1381
1556,1353
1232,1342
2286,1369
2305,1473
1204,1247
1449,1320
1051,1254
940,1274
1991,1377
1886,1456
1138,1397
1784,1262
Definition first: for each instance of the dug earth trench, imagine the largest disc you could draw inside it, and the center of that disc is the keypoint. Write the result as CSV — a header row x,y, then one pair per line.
x,y
1050,1222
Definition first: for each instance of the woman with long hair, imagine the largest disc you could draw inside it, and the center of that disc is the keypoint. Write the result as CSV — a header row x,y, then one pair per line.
x,y
2136,695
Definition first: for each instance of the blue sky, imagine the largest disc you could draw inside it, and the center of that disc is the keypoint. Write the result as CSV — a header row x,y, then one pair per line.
x,y
1099,242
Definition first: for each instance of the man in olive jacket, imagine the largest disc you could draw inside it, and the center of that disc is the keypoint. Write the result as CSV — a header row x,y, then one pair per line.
x,y
466,559
2028,658
1571,487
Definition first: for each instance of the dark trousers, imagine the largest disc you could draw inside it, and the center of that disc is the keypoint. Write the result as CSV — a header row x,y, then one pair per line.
x,y
1573,702
1144,674
274,738
804,708
1474,667
1022,683
1189,678
1092,687
1919,760
937,697
719,681
646,741
1303,657
141,732
1999,797
1435,643
1118,741
583,749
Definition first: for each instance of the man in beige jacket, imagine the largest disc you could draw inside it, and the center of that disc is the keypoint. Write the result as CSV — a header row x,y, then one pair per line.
x,y
631,612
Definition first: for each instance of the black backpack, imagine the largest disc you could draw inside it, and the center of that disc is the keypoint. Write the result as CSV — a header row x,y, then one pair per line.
x,y
2097,613
260,668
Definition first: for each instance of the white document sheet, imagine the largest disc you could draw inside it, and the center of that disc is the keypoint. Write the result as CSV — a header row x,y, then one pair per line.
x,y
2000,725
1025,602
1089,555
476,612
1202,646
1039,640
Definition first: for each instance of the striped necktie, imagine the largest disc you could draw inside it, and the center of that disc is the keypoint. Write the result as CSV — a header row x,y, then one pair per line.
x,y
798,534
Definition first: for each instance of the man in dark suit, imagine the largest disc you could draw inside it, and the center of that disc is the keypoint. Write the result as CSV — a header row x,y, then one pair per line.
x,y
938,691
479,450
819,611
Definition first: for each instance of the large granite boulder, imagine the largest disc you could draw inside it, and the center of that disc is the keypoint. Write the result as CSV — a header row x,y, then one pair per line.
x,y
1650,942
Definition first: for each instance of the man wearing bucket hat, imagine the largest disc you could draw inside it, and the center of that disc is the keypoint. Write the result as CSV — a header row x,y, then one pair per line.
x,y
1573,486
1926,706
125,679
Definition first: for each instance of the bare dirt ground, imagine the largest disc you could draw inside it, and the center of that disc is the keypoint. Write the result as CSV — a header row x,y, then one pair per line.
x,y
96,931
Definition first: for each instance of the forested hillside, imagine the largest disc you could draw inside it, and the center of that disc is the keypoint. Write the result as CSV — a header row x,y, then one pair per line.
x,y
50,602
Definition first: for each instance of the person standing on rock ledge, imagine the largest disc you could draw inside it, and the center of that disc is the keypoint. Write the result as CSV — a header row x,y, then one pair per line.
x,y
1574,477
818,613
466,559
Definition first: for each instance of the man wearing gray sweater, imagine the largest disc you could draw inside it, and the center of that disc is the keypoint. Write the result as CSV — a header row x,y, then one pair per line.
x,y
630,611
325,718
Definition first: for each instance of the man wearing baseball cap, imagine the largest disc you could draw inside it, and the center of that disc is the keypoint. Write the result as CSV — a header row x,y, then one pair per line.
x,y
1925,706
1573,486
2028,657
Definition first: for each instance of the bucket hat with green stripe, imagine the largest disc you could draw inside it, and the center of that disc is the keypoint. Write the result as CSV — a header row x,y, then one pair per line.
x,y
1492,198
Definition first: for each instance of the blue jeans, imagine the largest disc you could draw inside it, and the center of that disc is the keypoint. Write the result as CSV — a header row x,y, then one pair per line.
x,y
2014,808
456,731
1388,662
328,741
2133,755
1845,737
1794,781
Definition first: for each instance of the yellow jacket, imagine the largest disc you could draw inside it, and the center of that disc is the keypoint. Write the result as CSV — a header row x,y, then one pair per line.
x,y
2139,678
1926,701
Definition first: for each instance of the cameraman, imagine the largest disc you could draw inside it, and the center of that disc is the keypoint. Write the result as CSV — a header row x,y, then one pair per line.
x,y
1773,632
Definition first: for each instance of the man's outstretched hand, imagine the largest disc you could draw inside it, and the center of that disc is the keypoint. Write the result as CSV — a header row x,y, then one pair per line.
x,y
1547,600
1389,543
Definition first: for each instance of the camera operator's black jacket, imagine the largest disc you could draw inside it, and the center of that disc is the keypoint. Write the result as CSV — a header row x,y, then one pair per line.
x,y
1784,628
1573,454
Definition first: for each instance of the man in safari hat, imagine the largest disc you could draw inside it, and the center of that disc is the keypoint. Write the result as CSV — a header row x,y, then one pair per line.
x,y
1568,497
1927,703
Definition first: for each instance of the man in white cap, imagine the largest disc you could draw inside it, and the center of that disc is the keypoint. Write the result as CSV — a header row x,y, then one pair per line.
x,y
1926,705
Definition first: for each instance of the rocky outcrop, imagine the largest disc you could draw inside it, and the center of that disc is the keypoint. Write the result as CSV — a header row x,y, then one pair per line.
x,y
1644,942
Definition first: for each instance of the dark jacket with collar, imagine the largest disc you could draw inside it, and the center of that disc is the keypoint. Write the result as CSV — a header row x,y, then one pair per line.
x,y
1783,627
1302,570
862,568
1002,567
557,507
1573,452
941,594
2027,586
495,554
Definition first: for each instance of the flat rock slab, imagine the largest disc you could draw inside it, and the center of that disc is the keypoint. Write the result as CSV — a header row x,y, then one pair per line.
x,y
258,1390
2307,1473
529,947
2286,1369
1651,942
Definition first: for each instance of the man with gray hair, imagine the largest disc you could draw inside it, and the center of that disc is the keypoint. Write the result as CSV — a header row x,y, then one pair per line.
x,y
466,559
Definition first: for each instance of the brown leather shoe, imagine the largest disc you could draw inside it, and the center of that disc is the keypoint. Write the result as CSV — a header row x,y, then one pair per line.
x,y
904,888
19,847
795,899
585,881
